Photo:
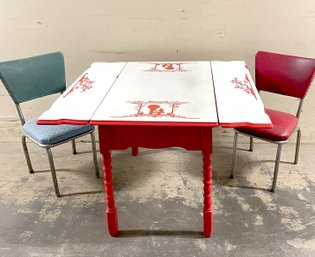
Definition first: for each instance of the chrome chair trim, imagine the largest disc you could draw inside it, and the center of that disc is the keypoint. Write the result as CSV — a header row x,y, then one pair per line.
x,y
53,171
50,156
278,155
27,155
74,149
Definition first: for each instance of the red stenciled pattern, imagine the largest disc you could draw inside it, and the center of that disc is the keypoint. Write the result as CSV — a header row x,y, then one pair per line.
x,y
244,85
84,83
157,109
167,67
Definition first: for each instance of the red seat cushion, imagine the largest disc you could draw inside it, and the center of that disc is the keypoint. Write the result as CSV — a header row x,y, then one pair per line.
x,y
283,123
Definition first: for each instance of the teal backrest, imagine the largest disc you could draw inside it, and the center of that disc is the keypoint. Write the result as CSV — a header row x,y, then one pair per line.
x,y
34,77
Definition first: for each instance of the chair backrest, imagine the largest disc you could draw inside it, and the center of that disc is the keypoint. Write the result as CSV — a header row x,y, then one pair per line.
x,y
34,77
284,74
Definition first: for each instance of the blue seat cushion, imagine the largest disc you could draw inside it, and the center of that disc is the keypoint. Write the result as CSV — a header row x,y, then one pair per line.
x,y
53,134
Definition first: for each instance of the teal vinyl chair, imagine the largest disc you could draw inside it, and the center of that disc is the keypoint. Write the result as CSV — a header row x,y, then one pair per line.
x,y
35,77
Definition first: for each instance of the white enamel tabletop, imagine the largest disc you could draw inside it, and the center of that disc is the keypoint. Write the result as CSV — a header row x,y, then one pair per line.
x,y
79,102
161,92
238,101
194,93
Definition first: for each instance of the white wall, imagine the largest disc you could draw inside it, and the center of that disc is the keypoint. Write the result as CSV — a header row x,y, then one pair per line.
x,y
98,30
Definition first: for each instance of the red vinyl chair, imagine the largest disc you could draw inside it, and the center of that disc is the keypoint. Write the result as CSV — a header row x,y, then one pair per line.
x,y
285,75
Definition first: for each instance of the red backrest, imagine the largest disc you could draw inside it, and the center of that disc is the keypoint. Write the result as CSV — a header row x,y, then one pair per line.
x,y
284,74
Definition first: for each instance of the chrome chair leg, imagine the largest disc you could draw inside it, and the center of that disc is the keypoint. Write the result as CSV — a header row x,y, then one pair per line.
x,y
275,175
251,144
27,155
74,149
94,155
297,146
234,154
53,171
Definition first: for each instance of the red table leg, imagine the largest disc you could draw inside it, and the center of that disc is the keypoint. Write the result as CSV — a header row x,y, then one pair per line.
x,y
123,137
135,151
112,219
207,188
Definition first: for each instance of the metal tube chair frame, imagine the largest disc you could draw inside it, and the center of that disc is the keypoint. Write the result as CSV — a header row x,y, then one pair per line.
x,y
279,144
278,155
49,146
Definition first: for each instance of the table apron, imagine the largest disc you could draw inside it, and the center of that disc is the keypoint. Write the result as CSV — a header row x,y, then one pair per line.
x,y
121,137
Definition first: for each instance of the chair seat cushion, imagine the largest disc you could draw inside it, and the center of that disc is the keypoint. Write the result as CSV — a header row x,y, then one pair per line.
x,y
283,123
53,134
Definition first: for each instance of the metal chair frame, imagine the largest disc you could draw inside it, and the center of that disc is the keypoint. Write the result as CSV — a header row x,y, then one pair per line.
x,y
49,152
279,148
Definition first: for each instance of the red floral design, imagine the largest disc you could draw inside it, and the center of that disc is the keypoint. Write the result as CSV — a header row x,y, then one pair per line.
x,y
83,84
244,85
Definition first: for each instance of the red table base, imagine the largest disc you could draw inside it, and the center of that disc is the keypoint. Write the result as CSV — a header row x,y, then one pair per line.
x,y
120,137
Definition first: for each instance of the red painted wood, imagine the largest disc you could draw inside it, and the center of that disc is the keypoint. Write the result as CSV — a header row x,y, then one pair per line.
x,y
245,124
135,151
128,123
207,182
190,138
111,212
122,137
207,188
62,121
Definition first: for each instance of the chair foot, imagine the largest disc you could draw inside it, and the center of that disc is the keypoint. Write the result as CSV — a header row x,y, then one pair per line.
x,y
234,154
251,144
27,155
74,149
276,170
297,147
231,176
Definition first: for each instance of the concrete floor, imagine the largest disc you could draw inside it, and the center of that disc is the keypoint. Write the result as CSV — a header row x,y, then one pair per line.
x,y
159,201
